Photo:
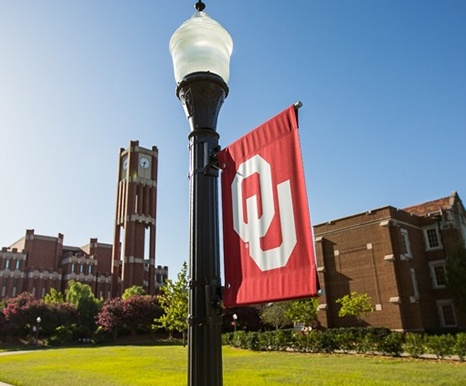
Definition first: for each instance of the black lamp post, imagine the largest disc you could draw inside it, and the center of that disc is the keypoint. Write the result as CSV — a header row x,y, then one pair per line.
x,y
235,318
201,51
38,320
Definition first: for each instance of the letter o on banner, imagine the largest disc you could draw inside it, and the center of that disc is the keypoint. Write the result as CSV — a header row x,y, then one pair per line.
x,y
257,227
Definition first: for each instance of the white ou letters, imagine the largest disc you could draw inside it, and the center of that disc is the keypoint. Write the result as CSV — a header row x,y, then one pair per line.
x,y
256,228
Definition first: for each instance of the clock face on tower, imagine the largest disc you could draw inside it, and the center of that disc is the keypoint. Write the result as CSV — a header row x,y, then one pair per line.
x,y
125,163
144,162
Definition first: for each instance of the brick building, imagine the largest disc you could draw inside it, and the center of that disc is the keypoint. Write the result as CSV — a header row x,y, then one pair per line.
x,y
398,257
37,263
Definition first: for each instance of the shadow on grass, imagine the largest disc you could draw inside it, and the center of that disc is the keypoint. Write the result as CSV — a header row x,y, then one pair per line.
x,y
129,340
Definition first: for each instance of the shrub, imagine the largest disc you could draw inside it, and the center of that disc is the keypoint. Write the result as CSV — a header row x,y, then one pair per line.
x,y
392,344
300,341
307,342
266,341
362,340
440,345
344,339
244,339
414,344
227,339
62,335
460,345
239,339
375,338
283,339
325,341
102,336
252,341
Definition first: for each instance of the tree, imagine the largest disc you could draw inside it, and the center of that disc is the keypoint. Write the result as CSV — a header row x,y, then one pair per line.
x,y
247,318
86,304
275,315
131,291
302,311
140,311
3,325
173,299
111,317
54,296
355,304
20,314
456,274
137,312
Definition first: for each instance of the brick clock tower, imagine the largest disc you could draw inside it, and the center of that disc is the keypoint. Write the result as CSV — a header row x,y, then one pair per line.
x,y
136,209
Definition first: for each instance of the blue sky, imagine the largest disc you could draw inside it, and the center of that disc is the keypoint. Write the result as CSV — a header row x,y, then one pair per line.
x,y
383,85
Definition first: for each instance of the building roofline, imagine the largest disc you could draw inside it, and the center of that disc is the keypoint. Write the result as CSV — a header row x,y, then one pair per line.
x,y
356,215
452,198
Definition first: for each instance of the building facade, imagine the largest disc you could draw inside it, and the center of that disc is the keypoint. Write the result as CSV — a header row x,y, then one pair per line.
x,y
37,263
398,257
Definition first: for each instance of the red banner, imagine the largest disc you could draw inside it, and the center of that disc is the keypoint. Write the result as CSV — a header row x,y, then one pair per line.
x,y
267,236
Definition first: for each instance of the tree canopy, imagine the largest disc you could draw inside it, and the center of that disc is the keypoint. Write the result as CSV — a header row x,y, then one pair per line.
x,y
86,304
131,291
173,299
282,314
275,314
137,312
456,277
54,296
303,311
355,304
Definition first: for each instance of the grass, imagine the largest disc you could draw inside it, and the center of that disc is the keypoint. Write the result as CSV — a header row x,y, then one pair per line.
x,y
166,365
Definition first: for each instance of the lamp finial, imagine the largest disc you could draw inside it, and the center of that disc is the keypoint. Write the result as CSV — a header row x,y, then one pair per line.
x,y
200,6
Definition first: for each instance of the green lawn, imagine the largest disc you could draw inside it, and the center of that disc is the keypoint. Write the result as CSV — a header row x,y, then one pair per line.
x,y
166,365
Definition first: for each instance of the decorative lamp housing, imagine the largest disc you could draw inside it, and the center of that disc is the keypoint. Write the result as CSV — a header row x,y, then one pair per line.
x,y
201,44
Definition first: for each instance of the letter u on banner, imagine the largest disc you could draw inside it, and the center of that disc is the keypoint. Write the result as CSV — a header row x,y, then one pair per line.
x,y
267,238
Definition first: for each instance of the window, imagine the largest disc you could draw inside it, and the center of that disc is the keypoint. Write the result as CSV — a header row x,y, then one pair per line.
x,y
446,313
89,270
439,273
17,264
72,267
405,246
7,264
415,287
432,237
81,268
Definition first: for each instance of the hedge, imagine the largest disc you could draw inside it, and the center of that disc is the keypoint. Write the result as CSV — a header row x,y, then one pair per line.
x,y
345,340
